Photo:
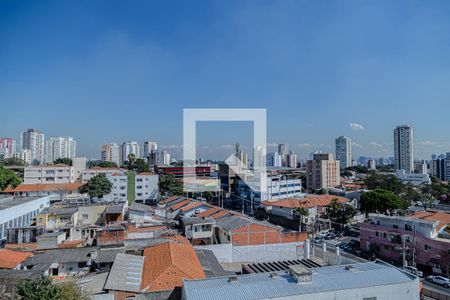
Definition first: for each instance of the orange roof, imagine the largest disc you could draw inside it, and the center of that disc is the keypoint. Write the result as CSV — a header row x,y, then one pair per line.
x,y
50,187
306,202
220,214
180,204
146,173
208,212
167,264
9,259
442,217
170,199
23,247
192,206
71,244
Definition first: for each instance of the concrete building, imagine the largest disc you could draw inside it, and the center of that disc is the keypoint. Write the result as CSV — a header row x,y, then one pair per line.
x,y
130,148
367,281
273,159
291,160
87,174
33,140
24,155
146,187
60,147
372,164
165,158
414,179
79,165
323,172
420,167
404,148
45,174
20,212
344,152
424,238
7,147
119,188
111,152
149,147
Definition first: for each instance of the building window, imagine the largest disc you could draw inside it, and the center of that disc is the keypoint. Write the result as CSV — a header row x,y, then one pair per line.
x,y
408,227
376,233
85,216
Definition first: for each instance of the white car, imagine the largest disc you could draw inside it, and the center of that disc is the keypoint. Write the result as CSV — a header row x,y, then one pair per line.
x,y
414,271
439,280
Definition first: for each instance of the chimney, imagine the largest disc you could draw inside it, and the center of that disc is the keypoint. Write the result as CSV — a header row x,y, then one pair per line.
x,y
300,273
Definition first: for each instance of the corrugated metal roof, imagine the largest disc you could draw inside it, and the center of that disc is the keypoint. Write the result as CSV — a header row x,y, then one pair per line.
x,y
324,279
126,273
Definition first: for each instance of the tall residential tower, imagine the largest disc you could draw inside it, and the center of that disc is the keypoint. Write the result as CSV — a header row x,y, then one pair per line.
x,y
344,151
403,148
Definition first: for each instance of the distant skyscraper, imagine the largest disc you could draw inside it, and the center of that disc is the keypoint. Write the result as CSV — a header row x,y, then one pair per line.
x,y
273,159
24,155
7,147
283,152
165,158
291,160
33,140
130,148
403,148
60,147
149,146
111,152
344,151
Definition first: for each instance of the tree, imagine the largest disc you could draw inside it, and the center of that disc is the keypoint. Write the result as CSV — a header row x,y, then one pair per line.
x,y
8,178
385,182
340,213
13,161
63,160
169,185
101,164
42,288
97,186
381,201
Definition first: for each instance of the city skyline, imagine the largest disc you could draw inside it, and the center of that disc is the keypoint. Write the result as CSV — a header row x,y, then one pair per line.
x,y
123,71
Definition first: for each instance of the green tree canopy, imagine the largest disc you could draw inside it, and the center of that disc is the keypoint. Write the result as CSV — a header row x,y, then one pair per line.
x,y
138,165
42,288
8,178
169,185
13,161
340,213
385,182
97,186
101,164
381,201
63,160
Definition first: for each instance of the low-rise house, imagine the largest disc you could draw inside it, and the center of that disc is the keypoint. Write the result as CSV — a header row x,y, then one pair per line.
x,y
371,280
110,235
57,217
12,260
140,213
145,231
199,231
75,261
164,210
51,240
57,191
424,236
114,214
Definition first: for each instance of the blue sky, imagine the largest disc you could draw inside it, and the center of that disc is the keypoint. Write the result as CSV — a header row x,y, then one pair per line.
x,y
104,71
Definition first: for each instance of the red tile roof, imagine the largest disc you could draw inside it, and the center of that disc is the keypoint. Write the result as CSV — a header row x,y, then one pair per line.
x,y
9,259
180,204
192,206
44,187
167,264
442,217
306,202
208,212
170,199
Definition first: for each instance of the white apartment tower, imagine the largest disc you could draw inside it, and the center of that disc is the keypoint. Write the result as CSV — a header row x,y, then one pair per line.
x,y
60,147
403,148
149,147
33,140
111,152
130,148
344,151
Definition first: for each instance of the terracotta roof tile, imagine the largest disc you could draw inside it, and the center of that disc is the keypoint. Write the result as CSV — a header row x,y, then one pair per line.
x,y
180,204
9,259
442,217
208,212
167,264
306,202
44,187
192,206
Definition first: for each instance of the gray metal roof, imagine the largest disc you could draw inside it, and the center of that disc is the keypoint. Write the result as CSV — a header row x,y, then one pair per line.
x,y
114,209
140,207
92,284
324,279
194,220
232,222
60,210
210,265
14,201
126,273
73,255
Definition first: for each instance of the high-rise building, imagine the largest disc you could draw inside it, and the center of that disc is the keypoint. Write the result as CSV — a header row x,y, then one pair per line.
x,y
165,158
111,152
149,146
7,147
33,140
322,172
130,148
372,164
24,155
273,159
344,151
403,148
291,160
60,147
283,152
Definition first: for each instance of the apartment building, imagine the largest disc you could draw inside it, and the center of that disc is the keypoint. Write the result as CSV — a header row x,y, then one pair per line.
x,y
33,140
7,147
45,174
60,147
146,187
89,173
404,148
111,152
322,172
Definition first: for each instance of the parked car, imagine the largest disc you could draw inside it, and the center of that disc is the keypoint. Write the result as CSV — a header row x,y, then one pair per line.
x,y
329,236
443,281
413,271
317,240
